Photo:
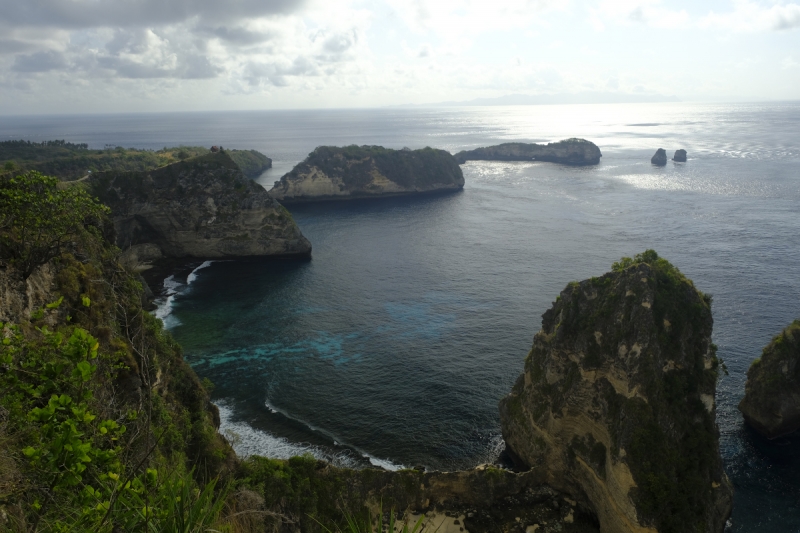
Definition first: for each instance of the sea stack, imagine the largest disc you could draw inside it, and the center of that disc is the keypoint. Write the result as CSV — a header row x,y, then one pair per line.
x,y
660,157
202,208
616,402
334,173
771,403
680,156
573,151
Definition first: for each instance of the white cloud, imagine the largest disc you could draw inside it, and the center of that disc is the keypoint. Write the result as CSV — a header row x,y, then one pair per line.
x,y
753,17
632,12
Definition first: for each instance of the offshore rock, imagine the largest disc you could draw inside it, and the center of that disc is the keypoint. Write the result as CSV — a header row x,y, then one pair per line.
x,y
567,152
331,173
680,156
616,402
771,403
202,207
659,158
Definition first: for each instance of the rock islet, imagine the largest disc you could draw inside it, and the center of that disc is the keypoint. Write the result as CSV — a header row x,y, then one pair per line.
x,y
659,158
572,151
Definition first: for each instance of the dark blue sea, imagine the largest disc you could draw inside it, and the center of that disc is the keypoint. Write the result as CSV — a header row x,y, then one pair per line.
x,y
393,345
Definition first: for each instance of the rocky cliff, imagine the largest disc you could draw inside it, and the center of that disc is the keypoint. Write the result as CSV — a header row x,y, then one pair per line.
x,y
202,207
616,402
567,152
771,404
368,171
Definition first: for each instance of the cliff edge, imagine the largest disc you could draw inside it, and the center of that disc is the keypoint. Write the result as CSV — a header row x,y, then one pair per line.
x,y
616,402
330,173
202,207
771,403
567,152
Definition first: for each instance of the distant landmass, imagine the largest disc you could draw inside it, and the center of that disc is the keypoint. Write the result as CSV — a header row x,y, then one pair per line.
x,y
555,99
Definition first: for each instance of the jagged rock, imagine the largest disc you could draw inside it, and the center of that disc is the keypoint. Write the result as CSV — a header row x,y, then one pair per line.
x,y
202,207
616,402
330,173
568,152
659,158
771,403
680,156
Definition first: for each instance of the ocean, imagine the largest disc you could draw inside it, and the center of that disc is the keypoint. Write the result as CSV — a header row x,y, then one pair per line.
x,y
393,345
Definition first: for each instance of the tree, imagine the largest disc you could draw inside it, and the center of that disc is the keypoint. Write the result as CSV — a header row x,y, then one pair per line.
x,y
38,220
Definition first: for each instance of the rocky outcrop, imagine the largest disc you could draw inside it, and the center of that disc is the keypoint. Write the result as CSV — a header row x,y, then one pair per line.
x,y
202,207
616,402
659,158
680,156
567,152
331,173
771,403
251,162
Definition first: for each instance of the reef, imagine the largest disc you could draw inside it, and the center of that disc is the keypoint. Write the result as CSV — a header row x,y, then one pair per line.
x,y
333,173
616,403
567,152
771,403
203,207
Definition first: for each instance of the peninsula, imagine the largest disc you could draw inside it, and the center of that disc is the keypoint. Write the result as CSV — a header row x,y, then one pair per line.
x,y
334,173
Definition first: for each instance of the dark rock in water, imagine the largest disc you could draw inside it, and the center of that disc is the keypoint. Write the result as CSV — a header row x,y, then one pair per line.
x,y
202,207
616,402
567,152
771,403
680,156
333,173
660,157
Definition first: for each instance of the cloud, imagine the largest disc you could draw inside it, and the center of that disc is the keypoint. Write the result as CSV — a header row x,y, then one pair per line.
x,y
39,62
646,12
753,17
136,13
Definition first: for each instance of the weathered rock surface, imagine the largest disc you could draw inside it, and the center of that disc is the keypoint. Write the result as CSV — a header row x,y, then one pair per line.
x,y
659,158
567,152
680,156
331,173
202,207
616,402
771,403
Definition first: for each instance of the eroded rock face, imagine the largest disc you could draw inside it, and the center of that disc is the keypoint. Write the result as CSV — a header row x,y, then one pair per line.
x,y
331,173
202,207
616,402
568,152
680,156
771,403
659,158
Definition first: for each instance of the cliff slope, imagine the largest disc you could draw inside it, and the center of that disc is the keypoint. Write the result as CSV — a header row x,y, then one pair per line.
x,y
367,171
202,207
771,403
616,402
567,152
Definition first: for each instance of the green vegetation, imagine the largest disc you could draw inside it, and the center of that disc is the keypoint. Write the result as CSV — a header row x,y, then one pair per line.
x,y
38,221
68,161
408,168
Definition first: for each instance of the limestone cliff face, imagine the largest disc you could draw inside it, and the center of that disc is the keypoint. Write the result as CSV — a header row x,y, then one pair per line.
x,y
568,152
771,403
330,173
202,207
616,402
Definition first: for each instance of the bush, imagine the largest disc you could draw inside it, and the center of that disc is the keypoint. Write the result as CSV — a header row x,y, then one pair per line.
x,y
38,220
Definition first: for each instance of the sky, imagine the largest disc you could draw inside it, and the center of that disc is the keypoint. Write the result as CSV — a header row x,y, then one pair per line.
x,y
77,56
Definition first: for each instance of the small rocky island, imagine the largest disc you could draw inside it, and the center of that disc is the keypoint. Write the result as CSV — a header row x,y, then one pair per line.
x,y
333,173
202,207
680,156
616,402
659,158
567,152
771,403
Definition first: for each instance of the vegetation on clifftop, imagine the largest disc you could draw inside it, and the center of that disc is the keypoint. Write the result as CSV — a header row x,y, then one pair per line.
x,y
69,161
